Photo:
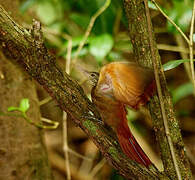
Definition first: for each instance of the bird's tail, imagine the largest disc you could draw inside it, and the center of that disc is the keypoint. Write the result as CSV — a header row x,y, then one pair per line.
x,y
130,146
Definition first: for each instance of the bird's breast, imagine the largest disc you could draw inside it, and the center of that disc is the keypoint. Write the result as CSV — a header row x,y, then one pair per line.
x,y
111,111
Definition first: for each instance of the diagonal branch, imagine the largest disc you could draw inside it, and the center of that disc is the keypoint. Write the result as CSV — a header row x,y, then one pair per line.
x,y
28,51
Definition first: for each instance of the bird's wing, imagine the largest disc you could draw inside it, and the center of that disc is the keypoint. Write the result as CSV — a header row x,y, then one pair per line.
x,y
129,82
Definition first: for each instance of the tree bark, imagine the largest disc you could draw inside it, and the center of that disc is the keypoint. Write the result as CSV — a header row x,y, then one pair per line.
x,y
22,152
28,51
147,54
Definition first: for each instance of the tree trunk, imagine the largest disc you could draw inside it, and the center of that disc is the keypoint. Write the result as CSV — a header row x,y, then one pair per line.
x,y
146,52
22,153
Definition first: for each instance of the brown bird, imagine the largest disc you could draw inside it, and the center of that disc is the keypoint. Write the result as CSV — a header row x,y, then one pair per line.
x,y
118,85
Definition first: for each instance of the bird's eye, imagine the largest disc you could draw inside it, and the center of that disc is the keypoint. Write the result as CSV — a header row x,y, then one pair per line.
x,y
94,75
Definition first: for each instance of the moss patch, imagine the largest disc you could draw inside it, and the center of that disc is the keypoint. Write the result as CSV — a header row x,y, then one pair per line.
x,y
113,153
91,127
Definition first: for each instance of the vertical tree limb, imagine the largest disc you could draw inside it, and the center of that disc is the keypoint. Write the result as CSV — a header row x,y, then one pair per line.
x,y
159,91
22,152
140,38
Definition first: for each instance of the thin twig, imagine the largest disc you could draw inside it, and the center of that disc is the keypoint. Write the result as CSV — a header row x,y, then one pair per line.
x,y
91,152
65,146
58,163
55,123
117,21
45,101
159,90
168,47
65,133
171,21
181,42
191,45
89,28
97,168
79,155
68,57
38,125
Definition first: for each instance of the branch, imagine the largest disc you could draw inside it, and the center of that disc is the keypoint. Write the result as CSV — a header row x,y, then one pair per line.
x,y
160,95
191,46
145,49
171,21
188,40
89,28
28,51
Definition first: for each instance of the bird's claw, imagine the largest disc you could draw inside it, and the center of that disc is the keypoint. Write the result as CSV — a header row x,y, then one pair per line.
x,y
92,118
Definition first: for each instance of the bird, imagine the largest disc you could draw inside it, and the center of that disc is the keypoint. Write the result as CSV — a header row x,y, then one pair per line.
x,y
119,85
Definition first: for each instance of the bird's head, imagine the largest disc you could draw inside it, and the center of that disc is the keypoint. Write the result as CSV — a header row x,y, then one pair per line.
x,y
93,77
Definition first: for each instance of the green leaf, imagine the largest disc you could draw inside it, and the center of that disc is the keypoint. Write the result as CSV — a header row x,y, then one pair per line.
x,y
182,91
46,11
131,115
184,20
57,27
82,53
24,105
81,19
100,46
174,63
76,41
181,16
12,108
151,5
26,4
113,56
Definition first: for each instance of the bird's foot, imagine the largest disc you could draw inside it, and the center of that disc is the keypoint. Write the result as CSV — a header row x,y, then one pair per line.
x,y
92,118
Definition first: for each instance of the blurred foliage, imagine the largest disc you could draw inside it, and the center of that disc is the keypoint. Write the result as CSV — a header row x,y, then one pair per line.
x,y
180,12
100,46
173,64
23,107
182,91
72,18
